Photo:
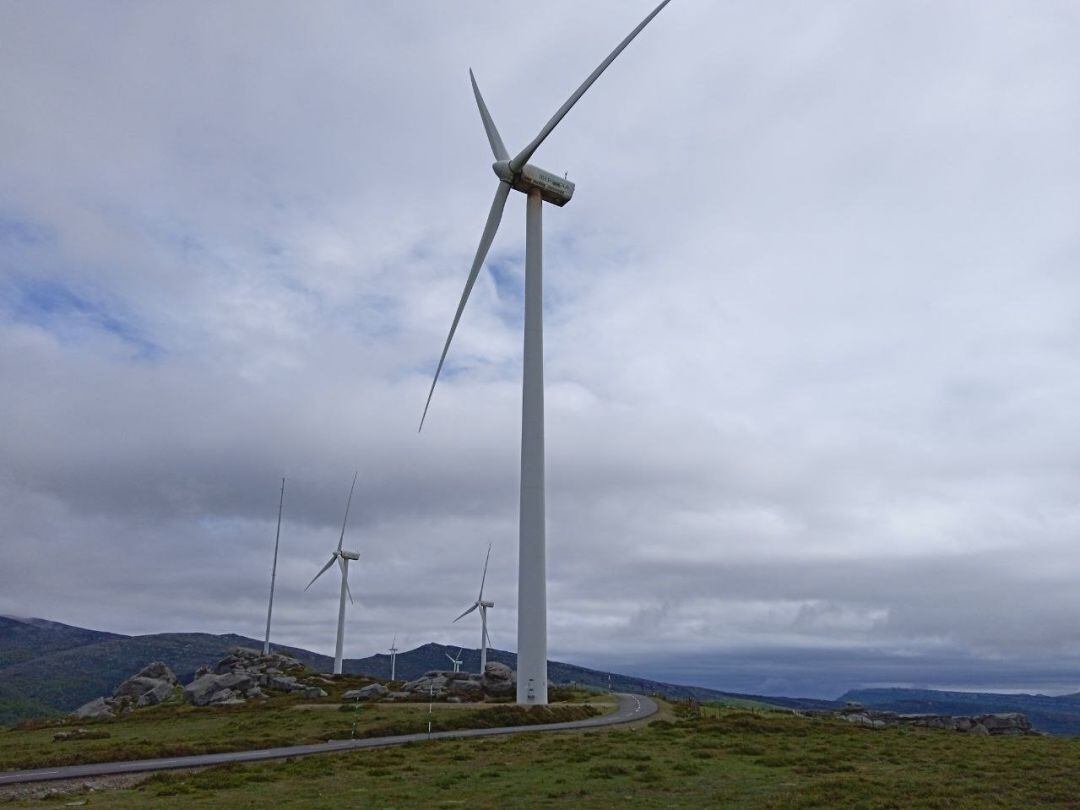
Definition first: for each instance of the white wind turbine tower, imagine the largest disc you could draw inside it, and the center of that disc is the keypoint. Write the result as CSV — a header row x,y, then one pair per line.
x,y
393,658
342,556
539,186
482,606
273,570
456,659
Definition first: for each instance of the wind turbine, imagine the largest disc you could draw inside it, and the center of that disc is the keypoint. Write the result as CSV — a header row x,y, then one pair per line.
x,y
342,556
273,570
483,608
393,658
539,186
456,660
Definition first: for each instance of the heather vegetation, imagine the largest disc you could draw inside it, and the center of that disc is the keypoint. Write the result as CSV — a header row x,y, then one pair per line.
x,y
178,729
729,758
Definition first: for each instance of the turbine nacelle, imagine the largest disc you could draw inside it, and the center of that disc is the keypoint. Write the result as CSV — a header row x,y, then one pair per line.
x,y
484,604
349,555
553,189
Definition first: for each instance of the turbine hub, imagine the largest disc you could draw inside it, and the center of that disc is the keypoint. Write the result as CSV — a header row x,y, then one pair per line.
x,y
503,171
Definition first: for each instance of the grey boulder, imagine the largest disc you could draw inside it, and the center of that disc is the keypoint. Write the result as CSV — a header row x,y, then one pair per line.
x,y
158,671
1010,723
372,691
160,693
201,691
499,679
466,687
150,678
96,708
431,683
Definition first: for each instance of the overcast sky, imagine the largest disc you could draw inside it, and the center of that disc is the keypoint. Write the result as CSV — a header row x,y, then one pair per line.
x,y
812,329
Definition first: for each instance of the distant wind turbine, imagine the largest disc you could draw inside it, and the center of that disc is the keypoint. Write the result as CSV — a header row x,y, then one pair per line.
x,y
342,556
482,606
456,660
273,570
393,658
539,186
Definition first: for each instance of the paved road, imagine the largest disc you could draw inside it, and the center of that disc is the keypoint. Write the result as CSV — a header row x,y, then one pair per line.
x,y
631,708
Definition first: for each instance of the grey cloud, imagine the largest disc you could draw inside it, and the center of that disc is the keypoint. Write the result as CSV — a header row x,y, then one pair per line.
x,y
810,351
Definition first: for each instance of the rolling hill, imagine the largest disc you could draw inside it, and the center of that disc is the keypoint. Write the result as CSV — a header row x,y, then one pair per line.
x,y
51,668
75,665
22,639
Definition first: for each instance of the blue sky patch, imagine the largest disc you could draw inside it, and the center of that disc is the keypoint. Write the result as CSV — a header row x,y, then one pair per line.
x,y
57,308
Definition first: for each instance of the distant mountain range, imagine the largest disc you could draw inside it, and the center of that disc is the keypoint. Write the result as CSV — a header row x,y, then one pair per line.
x,y
48,668
1056,715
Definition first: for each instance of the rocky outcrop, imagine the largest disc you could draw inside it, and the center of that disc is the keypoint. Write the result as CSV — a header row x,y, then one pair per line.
x,y
430,683
983,724
498,680
213,690
373,691
243,675
96,709
151,685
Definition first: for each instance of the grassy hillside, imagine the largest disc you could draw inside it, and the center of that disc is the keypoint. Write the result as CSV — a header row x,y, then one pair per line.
x,y
79,665
738,759
177,729
66,679
1056,715
15,707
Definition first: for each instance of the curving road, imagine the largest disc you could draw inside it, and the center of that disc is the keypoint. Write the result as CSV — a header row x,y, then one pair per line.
x,y
631,708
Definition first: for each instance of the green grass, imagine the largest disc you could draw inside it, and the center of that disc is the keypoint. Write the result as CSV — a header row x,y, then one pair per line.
x,y
179,729
736,759
711,707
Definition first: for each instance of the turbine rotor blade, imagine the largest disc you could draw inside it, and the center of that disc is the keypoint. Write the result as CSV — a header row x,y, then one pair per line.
x,y
348,503
467,612
480,598
322,571
497,147
494,217
523,156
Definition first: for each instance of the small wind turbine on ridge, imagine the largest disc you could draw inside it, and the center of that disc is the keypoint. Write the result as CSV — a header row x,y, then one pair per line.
x,y
482,606
393,658
456,660
342,557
